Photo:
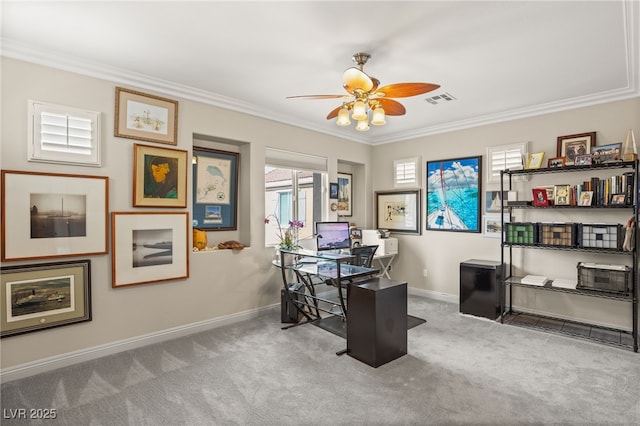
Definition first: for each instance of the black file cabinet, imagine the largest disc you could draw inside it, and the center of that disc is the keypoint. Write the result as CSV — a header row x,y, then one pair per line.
x,y
480,288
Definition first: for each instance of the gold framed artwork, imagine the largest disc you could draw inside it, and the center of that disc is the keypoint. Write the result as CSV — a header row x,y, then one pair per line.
x,y
47,295
571,146
47,215
159,177
149,247
562,195
146,117
535,160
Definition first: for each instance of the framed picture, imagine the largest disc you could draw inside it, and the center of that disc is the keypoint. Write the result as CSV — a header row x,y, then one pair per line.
x,y
215,189
46,295
535,160
556,162
149,247
607,153
586,197
583,160
399,211
562,194
493,225
453,194
333,191
345,194
146,117
47,215
618,199
159,177
572,145
540,198
493,200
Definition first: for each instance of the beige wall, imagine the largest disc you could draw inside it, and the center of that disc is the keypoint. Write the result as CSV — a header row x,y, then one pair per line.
x,y
221,283
440,253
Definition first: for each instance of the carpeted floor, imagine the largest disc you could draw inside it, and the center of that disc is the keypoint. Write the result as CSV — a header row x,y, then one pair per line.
x,y
459,370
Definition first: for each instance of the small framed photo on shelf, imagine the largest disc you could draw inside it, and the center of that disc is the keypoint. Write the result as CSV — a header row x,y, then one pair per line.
x,y
556,162
571,146
535,160
585,198
562,194
618,199
606,153
583,160
540,198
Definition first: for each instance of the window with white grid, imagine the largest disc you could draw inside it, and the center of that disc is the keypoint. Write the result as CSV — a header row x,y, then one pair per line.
x,y
405,172
61,134
504,157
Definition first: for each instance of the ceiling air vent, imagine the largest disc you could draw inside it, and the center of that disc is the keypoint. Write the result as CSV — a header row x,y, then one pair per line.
x,y
438,99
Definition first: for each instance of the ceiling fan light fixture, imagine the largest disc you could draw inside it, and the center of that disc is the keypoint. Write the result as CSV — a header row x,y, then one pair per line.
x,y
359,111
378,116
363,125
343,117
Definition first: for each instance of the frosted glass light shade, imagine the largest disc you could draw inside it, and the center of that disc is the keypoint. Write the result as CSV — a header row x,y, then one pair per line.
x,y
343,117
378,116
359,111
363,125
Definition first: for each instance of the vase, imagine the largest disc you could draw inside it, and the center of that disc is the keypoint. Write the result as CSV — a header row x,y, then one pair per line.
x,y
199,238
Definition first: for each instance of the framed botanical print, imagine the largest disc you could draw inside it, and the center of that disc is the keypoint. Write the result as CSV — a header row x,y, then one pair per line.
x,y
215,191
159,177
39,296
345,194
47,215
398,211
146,117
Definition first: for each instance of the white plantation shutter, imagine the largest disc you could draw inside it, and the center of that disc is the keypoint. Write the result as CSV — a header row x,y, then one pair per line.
x,y
63,134
504,157
405,172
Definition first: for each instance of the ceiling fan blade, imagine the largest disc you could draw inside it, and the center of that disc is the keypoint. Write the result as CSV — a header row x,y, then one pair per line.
x,y
376,83
404,90
356,79
334,113
318,97
391,107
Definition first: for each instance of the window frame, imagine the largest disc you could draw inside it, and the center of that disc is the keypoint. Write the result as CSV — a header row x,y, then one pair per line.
x,y
405,163
522,147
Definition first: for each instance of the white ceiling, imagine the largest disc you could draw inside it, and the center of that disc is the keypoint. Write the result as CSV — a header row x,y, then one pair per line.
x,y
499,60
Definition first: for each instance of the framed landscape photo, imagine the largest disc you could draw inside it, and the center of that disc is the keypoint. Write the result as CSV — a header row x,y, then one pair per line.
x,y
215,189
454,189
494,200
607,153
345,194
572,145
493,225
556,162
398,211
146,117
159,177
40,296
48,215
149,247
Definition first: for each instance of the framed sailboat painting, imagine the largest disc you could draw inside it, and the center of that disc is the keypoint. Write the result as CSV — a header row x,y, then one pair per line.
x,y
453,194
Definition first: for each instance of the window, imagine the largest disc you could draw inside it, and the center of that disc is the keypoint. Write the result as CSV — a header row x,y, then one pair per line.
x,y
405,172
504,157
61,134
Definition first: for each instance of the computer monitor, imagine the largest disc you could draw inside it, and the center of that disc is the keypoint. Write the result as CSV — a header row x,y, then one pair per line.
x,y
333,235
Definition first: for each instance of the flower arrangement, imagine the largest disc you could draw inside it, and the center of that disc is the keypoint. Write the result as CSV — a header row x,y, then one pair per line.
x,y
288,237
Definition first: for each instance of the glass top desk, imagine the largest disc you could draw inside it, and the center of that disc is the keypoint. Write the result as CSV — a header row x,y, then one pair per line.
x,y
330,267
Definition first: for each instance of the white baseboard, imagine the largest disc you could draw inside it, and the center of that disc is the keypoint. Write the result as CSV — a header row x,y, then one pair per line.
x,y
59,361
443,297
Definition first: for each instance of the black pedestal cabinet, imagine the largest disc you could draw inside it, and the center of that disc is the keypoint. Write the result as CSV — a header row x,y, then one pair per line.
x,y
480,288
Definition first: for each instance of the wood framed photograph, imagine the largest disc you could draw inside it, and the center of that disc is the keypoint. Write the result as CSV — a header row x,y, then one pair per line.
x,y
562,194
215,189
454,189
345,194
556,162
572,145
540,198
333,191
399,211
48,215
493,225
618,199
146,117
583,160
607,153
149,247
586,197
159,177
40,296
535,160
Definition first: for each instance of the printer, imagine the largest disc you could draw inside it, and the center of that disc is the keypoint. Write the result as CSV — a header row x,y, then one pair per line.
x,y
380,237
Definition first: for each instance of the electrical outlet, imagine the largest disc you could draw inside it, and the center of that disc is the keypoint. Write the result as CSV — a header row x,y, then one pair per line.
x,y
389,268
424,273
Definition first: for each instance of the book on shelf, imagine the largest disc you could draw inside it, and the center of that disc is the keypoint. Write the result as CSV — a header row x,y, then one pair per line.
x,y
534,280
564,283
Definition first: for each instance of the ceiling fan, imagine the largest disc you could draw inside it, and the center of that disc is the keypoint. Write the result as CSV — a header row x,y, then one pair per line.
x,y
364,95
